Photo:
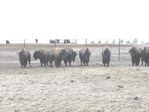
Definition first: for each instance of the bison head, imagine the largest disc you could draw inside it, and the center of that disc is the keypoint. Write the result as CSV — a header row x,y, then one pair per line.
x,y
132,51
74,54
36,55
87,54
106,54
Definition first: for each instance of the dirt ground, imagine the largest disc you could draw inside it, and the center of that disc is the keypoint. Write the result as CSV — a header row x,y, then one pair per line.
x,y
118,88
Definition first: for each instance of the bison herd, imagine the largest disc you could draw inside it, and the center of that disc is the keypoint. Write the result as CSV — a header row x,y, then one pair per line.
x,y
139,54
57,55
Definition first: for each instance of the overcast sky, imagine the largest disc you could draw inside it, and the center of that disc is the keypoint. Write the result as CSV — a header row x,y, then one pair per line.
x,y
74,19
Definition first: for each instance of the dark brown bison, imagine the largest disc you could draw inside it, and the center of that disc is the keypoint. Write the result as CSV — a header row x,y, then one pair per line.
x,y
136,54
43,56
106,53
145,56
70,56
57,55
84,55
24,57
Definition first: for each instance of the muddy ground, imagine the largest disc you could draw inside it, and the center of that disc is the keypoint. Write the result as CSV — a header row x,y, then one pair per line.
x,y
118,88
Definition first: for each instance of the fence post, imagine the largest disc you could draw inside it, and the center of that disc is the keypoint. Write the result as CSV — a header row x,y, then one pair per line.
x,y
24,43
55,43
76,41
119,50
86,42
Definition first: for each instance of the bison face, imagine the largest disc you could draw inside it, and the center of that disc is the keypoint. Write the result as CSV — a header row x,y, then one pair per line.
x,y
132,52
36,55
74,54
63,54
87,56
106,55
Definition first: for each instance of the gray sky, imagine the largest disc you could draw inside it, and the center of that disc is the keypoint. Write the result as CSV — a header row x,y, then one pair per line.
x,y
74,19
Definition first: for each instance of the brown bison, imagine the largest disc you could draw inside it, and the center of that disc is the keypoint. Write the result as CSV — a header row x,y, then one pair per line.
x,y
145,56
136,54
70,56
43,56
106,53
24,57
57,55
84,55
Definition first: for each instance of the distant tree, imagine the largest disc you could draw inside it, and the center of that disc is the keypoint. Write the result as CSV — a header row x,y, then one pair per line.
x,y
99,42
36,40
128,42
121,41
92,42
135,41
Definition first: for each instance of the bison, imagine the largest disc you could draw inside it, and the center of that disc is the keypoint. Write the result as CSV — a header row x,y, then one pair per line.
x,y
70,56
136,54
84,55
57,55
145,56
106,53
24,57
43,56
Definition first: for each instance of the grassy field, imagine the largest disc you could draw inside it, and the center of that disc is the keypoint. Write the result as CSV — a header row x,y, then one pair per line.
x,y
118,88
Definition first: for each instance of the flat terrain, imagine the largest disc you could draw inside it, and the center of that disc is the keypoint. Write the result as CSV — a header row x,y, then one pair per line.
x,y
118,88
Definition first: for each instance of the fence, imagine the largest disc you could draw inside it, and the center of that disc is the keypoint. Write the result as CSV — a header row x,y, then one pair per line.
x,y
69,43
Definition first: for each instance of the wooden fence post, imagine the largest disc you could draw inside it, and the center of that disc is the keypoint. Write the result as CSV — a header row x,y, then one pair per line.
x,y
24,43
86,42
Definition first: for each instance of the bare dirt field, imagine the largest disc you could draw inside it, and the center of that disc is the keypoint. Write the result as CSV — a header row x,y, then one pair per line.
x,y
118,88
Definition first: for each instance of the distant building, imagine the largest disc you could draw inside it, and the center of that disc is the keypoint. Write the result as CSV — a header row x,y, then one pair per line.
x,y
99,42
52,41
57,41
7,42
92,42
66,41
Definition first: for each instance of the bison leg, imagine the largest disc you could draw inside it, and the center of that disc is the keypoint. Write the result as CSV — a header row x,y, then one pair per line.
x,y
25,66
107,64
51,64
30,62
45,63
70,63
142,63
86,64
81,63
103,64
65,63
137,63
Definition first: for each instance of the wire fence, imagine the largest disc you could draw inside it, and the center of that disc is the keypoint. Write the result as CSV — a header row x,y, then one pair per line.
x,y
119,50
